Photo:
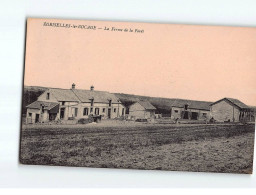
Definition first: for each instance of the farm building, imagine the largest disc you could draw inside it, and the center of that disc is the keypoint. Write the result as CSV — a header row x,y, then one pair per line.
x,y
41,111
190,109
142,110
171,107
231,110
253,108
74,103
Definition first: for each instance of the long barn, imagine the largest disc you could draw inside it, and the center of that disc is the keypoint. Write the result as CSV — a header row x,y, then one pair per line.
x,y
231,110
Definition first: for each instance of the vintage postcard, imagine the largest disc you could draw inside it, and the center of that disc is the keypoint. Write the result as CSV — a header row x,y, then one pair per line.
x,y
139,96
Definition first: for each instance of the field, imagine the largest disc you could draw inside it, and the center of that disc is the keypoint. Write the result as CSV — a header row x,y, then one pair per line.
x,y
180,147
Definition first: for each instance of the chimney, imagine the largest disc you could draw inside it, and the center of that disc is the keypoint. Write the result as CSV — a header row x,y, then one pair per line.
x,y
73,86
92,88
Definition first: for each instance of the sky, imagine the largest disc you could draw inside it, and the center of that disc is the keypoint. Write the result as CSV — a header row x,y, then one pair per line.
x,y
193,62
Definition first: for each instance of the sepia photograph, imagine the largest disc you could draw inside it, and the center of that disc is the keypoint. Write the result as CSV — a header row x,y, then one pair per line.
x,y
147,96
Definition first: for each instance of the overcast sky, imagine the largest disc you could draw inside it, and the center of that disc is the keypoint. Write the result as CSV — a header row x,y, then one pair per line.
x,y
175,61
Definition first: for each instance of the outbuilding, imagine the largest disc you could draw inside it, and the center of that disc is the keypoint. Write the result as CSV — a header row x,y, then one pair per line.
x,y
142,110
231,110
40,111
190,109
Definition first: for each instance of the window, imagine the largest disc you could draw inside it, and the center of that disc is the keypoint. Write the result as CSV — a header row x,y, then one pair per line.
x,y
92,101
42,108
186,106
103,110
48,96
91,110
30,114
85,111
122,111
97,111
110,103
114,109
62,103
176,111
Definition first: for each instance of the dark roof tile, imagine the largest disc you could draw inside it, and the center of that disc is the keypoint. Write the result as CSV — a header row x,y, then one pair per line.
x,y
38,104
193,104
233,101
64,94
147,105
237,103
98,96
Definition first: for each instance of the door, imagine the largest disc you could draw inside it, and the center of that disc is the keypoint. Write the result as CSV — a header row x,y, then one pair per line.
x,y
37,118
185,115
109,113
194,116
62,113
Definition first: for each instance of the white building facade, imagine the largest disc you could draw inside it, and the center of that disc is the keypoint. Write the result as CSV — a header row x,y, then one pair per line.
x,y
69,104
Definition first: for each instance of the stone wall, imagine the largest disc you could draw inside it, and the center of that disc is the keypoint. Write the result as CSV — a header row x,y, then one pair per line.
x,y
224,111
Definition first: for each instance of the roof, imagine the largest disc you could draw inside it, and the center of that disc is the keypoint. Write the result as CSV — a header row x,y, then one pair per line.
x,y
253,108
147,105
38,104
233,101
164,103
192,104
64,95
98,96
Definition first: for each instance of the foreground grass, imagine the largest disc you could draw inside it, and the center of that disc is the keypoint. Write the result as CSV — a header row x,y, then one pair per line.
x,y
210,148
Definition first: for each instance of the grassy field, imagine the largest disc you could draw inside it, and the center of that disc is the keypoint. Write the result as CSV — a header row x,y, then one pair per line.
x,y
208,148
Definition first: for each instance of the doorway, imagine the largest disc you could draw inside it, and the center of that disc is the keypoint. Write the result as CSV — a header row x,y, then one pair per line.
x,y
37,118
185,115
194,115
74,112
109,113
62,113
52,116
